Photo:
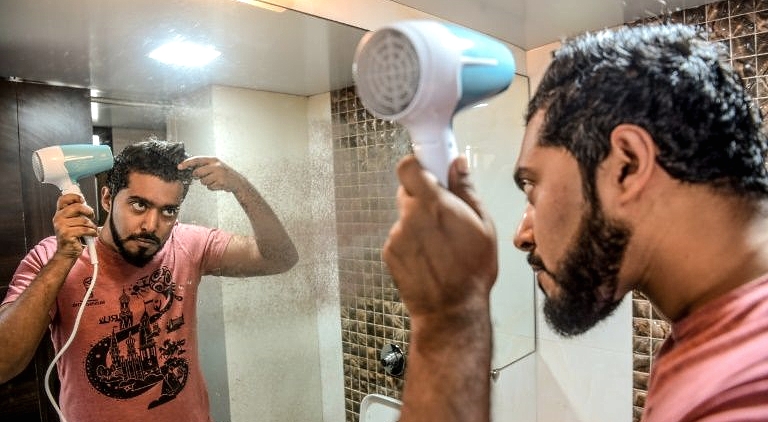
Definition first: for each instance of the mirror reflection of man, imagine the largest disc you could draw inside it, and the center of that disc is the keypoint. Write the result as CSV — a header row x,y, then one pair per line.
x,y
644,167
135,354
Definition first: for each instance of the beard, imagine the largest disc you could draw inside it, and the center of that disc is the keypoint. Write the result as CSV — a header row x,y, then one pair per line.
x,y
588,275
140,258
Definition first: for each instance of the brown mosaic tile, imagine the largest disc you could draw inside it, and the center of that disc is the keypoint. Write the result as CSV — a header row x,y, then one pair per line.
x,y
746,66
743,25
719,29
639,398
718,10
696,15
641,363
762,87
641,345
640,380
641,308
738,7
637,413
641,327
761,21
743,46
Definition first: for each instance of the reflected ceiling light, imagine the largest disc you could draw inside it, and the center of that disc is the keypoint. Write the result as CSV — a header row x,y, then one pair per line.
x,y
263,5
94,111
184,53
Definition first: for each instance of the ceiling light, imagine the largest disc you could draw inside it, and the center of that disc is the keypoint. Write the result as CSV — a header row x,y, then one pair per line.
x,y
184,53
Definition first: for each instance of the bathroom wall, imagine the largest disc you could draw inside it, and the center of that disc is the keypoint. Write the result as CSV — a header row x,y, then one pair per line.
x,y
366,151
586,378
270,347
741,26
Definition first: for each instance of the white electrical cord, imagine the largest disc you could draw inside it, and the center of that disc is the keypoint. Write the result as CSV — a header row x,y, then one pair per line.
x,y
95,262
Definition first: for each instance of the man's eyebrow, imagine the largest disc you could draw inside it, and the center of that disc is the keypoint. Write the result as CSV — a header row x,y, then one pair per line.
x,y
152,204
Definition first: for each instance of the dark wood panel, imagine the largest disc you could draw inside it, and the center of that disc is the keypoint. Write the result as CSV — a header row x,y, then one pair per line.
x,y
31,117
12,210
49,115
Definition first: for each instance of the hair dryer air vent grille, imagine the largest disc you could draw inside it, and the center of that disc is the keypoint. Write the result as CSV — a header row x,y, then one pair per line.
x,y
37,167
390,68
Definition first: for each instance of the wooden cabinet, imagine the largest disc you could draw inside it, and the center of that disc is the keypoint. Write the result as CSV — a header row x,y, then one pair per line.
x,y
33,116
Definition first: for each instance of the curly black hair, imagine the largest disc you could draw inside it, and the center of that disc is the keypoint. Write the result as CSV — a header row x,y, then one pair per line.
x,y
667,79
153,157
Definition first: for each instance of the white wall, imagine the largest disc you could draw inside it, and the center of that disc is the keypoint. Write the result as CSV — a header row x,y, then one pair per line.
x,y
279,347
587,378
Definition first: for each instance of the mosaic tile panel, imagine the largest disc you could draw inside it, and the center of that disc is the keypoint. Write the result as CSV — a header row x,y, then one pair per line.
x,y
365,152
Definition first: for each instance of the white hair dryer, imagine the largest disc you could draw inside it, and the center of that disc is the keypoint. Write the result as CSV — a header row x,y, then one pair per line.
x,y
64,165
420,73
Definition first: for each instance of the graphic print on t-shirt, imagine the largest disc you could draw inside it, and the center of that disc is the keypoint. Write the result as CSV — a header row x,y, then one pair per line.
x,y
134,356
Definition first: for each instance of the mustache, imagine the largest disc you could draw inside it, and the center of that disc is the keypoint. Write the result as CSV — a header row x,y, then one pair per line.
x,y
535,262
146,237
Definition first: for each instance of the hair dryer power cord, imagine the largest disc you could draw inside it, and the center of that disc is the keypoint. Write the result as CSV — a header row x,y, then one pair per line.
x,y
66,345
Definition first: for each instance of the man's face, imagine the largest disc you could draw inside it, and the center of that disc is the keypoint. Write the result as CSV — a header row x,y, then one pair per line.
x,y
574,249
142,215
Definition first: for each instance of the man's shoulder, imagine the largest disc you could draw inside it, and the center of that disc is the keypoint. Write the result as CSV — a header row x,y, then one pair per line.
x,y
184,232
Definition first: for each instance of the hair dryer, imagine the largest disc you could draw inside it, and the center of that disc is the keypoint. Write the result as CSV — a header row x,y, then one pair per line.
x,y
420,73
64,165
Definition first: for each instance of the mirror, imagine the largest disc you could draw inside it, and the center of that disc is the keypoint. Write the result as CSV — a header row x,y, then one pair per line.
x,y
276,104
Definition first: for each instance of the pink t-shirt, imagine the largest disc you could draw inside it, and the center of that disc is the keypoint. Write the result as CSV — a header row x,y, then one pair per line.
x,y
135,354
714,366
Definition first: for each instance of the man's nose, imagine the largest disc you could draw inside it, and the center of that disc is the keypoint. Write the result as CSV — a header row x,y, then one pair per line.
x,y
151,219
524,234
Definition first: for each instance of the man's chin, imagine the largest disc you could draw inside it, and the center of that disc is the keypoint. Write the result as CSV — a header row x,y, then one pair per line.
x,y
571,321
137,259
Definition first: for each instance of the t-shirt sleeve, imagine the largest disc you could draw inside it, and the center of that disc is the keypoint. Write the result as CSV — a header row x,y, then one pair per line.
x,y
215,246
207,244
29,267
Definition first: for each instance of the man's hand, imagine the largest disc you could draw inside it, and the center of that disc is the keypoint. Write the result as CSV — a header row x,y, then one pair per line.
x,y
72,221
214,174
442,250
442,256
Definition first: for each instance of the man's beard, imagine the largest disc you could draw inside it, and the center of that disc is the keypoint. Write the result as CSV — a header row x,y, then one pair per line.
x,y
588,275
140,258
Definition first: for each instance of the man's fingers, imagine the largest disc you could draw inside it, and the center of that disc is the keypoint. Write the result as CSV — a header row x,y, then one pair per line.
x,y
415,180
460,184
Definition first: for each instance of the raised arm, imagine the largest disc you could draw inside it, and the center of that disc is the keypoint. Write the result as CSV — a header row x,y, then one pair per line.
x,y
442,256
270,250
24,321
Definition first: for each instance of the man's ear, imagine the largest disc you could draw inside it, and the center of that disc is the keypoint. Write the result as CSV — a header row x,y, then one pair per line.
x,y
106,199
633,153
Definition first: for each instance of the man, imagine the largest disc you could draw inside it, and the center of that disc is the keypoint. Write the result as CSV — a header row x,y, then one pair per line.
x,y
135,353
643,163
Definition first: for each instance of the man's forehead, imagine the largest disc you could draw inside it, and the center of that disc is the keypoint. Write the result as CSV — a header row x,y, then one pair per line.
x,y
149,186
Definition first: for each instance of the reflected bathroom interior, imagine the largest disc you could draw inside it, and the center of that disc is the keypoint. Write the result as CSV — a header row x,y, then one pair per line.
x,y
279,104
285,114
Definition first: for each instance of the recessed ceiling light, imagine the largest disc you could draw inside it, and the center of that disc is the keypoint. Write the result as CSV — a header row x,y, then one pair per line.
x,y
184,53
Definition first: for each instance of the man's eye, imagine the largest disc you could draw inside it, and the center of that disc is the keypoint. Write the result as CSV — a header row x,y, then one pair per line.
x,y
170,212
138,206
526,186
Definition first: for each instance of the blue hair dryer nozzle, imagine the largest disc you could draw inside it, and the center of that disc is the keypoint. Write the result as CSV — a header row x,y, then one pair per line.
x,y
64,165
420,73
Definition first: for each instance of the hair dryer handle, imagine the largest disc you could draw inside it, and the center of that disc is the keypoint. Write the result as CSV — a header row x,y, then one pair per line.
x,y
90,242
435,151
